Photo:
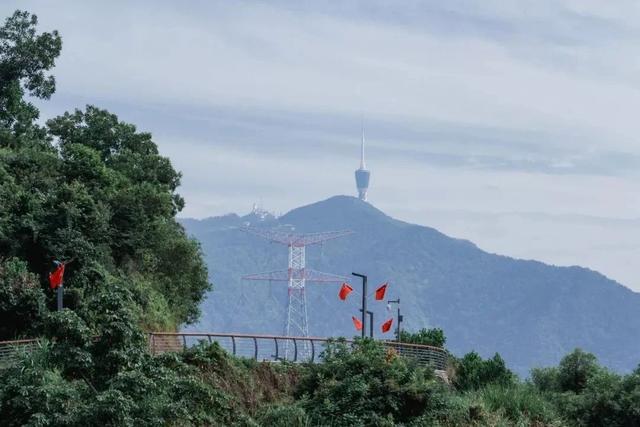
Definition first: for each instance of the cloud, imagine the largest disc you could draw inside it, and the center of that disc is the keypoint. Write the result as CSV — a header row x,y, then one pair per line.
x,y
525,111
258,56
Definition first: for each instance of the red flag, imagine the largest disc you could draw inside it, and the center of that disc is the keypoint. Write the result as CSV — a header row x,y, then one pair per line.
x,y
345,290
381,291
386,326
357,323
55,278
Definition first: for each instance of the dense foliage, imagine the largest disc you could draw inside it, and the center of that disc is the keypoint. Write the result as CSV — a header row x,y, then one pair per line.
x,y
76,380
473,373
22,302
86,189
367,385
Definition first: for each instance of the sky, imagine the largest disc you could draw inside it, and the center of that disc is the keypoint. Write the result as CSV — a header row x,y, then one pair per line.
x,y
513,124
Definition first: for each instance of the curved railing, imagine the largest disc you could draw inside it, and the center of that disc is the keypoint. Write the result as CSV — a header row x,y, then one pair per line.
x,y
279,348
258,347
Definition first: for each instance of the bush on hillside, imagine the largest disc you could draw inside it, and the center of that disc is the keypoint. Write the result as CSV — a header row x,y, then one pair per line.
x,y
473,373
546,379
100,373
22,302
368,385
290,415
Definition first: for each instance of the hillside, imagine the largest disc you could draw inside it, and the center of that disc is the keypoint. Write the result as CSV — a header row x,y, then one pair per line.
x,y
530,312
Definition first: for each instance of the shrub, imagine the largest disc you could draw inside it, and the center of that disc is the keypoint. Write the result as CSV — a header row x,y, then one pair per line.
x,y
546,379
22,302
290,415
600,400
33,392
365,385
71,343
472,372
606,399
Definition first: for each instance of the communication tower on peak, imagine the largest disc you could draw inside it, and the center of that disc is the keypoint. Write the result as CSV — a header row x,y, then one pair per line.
x,y
362,174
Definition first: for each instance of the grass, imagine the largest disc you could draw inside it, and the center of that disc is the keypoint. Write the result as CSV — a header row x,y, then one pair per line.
x,y
520,404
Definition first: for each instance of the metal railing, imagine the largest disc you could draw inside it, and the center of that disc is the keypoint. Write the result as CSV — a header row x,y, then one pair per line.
x,y
10,350
280,348
258,347
423,354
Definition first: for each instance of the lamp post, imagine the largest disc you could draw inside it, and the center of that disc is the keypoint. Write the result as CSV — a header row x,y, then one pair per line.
x,y
399,317
364,303
60,296
370,313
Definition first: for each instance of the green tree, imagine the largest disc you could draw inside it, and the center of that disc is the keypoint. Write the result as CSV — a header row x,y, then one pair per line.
x,y
575,370
134,188
102,196
25,58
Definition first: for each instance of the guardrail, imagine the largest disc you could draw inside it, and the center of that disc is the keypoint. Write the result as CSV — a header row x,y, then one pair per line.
x,y
10,350
280,348
258,347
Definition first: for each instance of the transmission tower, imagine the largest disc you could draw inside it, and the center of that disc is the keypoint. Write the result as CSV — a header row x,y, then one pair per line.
x,y
296,277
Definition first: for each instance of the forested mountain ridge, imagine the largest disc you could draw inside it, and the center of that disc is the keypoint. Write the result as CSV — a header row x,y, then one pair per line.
x,y
530,312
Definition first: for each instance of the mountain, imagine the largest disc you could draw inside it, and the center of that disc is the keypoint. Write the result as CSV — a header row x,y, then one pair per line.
x,y
531,313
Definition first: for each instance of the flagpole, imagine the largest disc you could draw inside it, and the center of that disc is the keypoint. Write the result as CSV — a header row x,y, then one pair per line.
x,y
56,281
60,295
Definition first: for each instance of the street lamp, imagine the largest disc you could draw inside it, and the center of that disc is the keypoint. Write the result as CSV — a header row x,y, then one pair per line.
x,y
364,303
399,318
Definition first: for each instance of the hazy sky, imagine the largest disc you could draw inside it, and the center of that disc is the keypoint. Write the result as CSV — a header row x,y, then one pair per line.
x,y
513,124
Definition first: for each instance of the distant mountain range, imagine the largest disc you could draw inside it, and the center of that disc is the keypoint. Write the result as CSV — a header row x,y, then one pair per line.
x,y
531,313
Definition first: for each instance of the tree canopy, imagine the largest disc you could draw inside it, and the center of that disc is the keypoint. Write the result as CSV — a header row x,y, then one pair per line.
x,y
86,188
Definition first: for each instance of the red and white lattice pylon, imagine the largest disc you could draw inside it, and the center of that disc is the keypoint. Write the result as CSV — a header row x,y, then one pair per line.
x,y
296,276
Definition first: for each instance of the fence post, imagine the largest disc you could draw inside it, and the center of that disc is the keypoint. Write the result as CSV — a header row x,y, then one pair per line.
x,y
275,340
255,346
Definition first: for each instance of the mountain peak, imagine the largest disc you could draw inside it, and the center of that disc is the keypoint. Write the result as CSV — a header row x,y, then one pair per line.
x,y
337,211
531,313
